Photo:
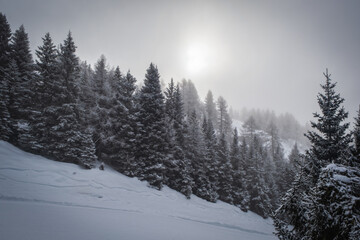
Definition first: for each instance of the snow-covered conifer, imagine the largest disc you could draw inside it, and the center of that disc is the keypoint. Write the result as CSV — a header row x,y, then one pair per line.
x,y
21,88
152,147
210,108
69,140
329,141
5,50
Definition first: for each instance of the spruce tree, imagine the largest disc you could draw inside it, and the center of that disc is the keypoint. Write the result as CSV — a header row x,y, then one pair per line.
x,y
315,205
210,108
224,120
69,140
190,97
178,166
291,218
334,212
121,140
21,88
100,122
5,80
294,158
152,147
195,152
225,171
259,201
47,67
330,142
86,98
240,194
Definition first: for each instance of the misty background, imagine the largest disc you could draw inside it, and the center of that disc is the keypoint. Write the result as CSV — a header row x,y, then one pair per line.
x,y
257,54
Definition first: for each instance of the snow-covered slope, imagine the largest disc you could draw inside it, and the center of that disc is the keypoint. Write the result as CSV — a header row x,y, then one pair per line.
x,y
44,199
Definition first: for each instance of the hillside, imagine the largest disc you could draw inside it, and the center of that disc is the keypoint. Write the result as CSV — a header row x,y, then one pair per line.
x,y
44,199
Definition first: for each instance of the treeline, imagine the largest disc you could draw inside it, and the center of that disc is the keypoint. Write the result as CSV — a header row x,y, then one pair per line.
x,y
65,110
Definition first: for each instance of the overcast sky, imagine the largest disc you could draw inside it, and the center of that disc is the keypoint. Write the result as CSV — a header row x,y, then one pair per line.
x,y
257,54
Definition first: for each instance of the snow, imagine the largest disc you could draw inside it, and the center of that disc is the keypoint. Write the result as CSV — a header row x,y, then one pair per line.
x,y
342,178
334,167
44,199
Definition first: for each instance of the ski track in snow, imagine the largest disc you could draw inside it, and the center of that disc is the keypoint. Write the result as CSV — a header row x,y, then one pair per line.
x,y
28,180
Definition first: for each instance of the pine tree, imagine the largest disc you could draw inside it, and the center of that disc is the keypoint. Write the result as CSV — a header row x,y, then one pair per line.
x,y
100,122
86,98
178,167
69,141
240,193
190,97
100,77
21,83
210,108
120,144
330,142
195,152
335,212
294,158
152,144
318,205
291,218
212,163
5,51
225,172
259,201
224,120
250,127
47,67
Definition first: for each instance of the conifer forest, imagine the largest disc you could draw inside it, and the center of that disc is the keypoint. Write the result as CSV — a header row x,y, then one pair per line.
x,y
57,106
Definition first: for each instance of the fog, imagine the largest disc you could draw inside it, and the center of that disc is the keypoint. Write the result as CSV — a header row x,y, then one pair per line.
x,y
257,54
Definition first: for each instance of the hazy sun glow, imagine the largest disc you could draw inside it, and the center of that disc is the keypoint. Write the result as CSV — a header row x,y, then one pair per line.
x,y
197,58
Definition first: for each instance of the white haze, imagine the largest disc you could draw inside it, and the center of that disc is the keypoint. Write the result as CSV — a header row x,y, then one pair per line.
x,y
257,54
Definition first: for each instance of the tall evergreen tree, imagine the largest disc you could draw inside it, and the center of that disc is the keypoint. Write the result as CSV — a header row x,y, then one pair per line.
x,y
178,167
193,143
21,88
47,67
225,171
291,218
240,194
212,161
330,142
120,144
224,120
86,98
210,108
69,140
190,97
259,201
314,206
100,120
5,80
152,147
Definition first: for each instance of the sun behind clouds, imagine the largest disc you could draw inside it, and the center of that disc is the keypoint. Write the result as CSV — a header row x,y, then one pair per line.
x,y
197,58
